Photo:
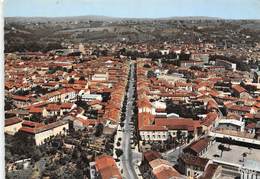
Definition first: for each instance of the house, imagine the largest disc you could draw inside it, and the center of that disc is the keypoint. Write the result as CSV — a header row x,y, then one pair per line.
x,y
12,125
212,106
240,110
80,123
163,128
198,148
66,107
162,169
67,95
192,166
150,156
86,96
240,92
21,101
257,77
257,130
100,77
41,133
230,124
106,168
53,97
144,105
208,123
51,110
212,171
228,65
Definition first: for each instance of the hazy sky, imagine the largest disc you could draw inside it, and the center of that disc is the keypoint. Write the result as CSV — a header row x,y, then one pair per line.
x,y
235,9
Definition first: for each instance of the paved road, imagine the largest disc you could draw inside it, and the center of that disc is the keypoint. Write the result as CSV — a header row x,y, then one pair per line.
x,y
127,157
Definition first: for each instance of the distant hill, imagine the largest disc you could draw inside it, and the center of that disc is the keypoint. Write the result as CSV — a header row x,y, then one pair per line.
x,y
100,18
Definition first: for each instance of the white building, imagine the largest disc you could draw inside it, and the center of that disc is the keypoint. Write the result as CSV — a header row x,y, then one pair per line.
x,y
40,134
100,77
12,125
86,96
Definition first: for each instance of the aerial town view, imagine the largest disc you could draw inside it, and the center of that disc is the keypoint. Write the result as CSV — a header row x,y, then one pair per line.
x,y
134,93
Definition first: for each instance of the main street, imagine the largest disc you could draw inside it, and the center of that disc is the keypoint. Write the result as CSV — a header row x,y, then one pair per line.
x,y
127,157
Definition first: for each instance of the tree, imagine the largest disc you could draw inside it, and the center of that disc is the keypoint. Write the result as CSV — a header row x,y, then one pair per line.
x,y
250,150
35,118
99,130
179,136
150,74
118,144
244,155
121,124
227,140
78,174
147,66
82,78
71,81
36,156
221,147
119,152
190,136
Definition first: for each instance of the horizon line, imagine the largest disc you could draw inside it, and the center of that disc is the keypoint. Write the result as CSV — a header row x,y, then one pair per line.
x,y
124,17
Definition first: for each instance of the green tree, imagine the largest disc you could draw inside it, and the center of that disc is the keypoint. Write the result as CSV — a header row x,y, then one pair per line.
x,y
179,135
150,74
221,147
99,130
71,81
119,152
244,155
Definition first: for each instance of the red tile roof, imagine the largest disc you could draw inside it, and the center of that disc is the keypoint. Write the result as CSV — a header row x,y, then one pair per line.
x,y
210,171
66,105
212,105
107,167
165,172
198,145
151,155
194,160
238,88
35,110
209,119
20,98
53,107
31,124
177,123
12,121
42,128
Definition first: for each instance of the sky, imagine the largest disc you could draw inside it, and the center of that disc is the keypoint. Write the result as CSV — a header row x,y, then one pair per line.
x,y
229,9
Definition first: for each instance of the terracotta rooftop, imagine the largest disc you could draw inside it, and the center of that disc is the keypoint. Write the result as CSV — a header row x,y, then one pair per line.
x,y
177,123
209,171
12,121
210,119
198,145
165,172
107,167
158,162
20,98
53,107
43,128
151,155
238,88
31,124
194,160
